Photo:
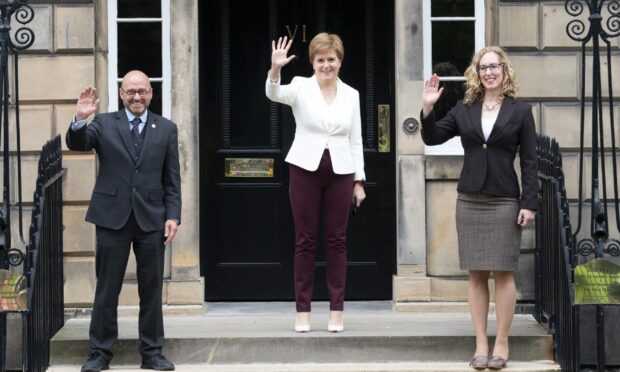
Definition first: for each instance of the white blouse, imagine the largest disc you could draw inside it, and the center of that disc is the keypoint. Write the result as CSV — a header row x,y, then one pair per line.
x,y
487,126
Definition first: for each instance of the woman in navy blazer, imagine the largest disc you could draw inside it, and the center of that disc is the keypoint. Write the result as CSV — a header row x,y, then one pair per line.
x,y
490,210
326,167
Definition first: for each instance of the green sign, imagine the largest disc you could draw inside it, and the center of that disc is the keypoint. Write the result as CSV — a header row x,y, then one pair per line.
x,y
13,292
597,282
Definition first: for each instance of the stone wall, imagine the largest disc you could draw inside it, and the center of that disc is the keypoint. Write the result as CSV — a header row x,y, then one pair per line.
x,y
70,52
52,72
548,66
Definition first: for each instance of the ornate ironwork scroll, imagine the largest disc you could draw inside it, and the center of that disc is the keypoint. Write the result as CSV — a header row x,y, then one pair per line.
x,y
603,24
599,31
10,44
22,38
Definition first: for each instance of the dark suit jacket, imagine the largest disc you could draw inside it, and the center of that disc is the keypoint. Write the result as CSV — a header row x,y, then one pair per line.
x,y
148,185
488,166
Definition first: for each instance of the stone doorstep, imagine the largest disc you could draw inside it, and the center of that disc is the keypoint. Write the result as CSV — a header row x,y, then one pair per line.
x,y
228,334
305,349
196,310
129,311
537,366
436,307
451,307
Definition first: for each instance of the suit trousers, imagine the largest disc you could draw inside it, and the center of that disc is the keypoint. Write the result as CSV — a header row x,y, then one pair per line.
x,y
113,248
313,193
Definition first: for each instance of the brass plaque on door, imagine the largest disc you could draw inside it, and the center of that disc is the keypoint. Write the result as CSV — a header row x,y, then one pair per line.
x,y
248,167
383,113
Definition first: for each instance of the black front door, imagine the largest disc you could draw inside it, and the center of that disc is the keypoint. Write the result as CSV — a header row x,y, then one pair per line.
x,y
247,234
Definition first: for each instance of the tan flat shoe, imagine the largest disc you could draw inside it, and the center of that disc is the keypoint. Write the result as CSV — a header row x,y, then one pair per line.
x,y
479,362
497,362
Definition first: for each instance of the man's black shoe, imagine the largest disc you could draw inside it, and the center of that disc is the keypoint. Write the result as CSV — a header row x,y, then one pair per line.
x,y
95,363
157,362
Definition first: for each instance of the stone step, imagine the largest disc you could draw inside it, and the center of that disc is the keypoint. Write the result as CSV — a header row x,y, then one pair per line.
x,y
436,307
538,366
262,333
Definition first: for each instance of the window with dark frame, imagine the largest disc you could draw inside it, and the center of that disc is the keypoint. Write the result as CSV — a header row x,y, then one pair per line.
x,y
139,43
453,44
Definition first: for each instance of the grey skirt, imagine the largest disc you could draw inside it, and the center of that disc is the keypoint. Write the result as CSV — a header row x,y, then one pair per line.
x,y
489,237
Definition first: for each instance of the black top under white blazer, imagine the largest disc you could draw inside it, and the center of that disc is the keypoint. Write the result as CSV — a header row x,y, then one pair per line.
x,y
488,165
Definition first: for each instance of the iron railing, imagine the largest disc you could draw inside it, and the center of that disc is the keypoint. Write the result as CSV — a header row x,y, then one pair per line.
x,y
559,249
596,38
555,258
41,257
42,264
46,296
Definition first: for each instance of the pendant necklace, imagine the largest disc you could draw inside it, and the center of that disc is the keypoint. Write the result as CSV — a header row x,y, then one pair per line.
x,y
488,108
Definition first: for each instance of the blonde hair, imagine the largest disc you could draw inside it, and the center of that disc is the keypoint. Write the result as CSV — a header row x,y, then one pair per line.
x,y
325,42
474,88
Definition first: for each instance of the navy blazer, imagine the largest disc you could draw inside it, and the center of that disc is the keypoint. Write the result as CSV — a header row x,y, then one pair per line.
x,y
488,166
149,185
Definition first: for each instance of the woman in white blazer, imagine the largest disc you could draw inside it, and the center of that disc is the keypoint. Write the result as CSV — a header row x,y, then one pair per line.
x,y
326,167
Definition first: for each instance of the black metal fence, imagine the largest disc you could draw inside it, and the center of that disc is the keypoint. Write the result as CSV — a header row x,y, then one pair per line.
x,y
594,25
555,258
42,264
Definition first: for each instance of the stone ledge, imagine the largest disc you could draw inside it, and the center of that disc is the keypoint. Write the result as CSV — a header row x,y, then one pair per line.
x,y
411,288
436,307
410,270
130,311
234,338
453,308
438,366
440,167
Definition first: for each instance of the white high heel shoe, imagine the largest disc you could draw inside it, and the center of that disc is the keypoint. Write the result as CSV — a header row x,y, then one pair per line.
x,y
335,327
302,328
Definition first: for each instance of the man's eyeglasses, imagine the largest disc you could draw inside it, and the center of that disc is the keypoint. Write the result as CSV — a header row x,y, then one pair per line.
x,y
493,67
132,92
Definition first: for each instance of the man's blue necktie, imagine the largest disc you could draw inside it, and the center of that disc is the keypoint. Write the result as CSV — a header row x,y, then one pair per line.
x,y
135,133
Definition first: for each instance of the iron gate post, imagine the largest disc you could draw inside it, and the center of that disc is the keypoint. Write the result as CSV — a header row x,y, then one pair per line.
x,y
24,37
600,30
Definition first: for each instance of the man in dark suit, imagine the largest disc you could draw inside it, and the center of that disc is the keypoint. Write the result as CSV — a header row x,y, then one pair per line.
x,y
136,202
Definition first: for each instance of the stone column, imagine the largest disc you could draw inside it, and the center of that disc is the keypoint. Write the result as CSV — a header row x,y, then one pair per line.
x,y
185,285
411,283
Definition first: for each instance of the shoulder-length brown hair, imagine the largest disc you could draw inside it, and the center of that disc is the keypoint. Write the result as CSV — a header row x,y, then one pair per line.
x,y
474,88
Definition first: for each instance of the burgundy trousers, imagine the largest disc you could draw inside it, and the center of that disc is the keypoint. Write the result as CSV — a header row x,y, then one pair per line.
x,y
313,193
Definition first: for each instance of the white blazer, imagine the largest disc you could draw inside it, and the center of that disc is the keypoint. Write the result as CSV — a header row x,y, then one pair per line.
x,y
336,127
